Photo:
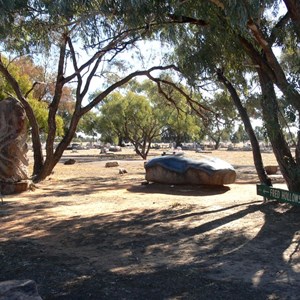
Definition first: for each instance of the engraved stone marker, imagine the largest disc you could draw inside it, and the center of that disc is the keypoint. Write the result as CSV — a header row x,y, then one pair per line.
x,y
13,147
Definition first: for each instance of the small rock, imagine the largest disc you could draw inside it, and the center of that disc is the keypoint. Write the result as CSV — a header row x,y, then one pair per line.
x,y
19,289
271,170
122,171
70,161
111,164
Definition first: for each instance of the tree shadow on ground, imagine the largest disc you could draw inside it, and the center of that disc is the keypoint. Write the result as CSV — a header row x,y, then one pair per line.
x,y
90,185
183,190
154,254
83,186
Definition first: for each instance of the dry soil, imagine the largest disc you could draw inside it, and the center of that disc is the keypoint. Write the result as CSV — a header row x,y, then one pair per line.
x,y
88,232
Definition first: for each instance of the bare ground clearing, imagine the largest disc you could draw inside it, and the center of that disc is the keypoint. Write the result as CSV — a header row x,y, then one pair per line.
x,y
89,233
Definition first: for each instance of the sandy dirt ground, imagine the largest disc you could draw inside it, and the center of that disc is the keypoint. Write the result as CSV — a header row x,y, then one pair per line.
x,y
88,232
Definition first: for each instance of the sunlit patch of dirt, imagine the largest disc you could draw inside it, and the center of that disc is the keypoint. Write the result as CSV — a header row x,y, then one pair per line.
x,y
88,232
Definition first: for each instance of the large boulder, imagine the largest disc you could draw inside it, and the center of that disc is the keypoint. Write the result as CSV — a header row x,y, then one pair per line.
x,y
180,170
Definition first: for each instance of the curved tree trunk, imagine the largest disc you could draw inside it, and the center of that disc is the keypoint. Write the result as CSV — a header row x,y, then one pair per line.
x,y
139,152
293,7
288,166
258,162
52,158
36,141
217,143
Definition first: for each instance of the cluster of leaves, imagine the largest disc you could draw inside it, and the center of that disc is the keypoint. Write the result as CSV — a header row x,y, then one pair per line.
x,y
26,74
141,115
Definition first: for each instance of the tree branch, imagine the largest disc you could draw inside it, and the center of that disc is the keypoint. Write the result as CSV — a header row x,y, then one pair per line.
x,y
121,82
293,7
184,19
279,26
196,106
98,55
32,88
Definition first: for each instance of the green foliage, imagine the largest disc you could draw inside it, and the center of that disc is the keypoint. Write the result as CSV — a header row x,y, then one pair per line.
x,y
290,59
260,133
129,118
25,79
99,20
111,121
179,122
40,110
88,123
222,119
241,134
8,10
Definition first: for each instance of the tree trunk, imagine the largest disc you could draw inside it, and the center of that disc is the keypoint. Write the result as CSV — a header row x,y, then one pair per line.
x,y
38,159
52,158
138,152
217,143
289,168
293,7
120,141
258,162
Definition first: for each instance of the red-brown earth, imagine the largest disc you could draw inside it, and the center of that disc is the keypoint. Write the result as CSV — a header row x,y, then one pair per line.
x,y
88,232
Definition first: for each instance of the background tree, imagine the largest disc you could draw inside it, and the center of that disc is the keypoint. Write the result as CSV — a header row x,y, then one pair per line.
x,y
130,118
180,116
112,119
88,124
235,41
221,120
181,126
67,29
240,135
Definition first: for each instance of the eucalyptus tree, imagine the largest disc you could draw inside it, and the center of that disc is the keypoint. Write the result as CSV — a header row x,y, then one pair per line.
x,y
131,118
181,117
88,124
181,125
231,41
83,40
221,121
257,35
220,50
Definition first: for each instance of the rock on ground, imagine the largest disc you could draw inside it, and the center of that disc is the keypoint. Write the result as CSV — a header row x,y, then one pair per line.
x,y
181,170
19,290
